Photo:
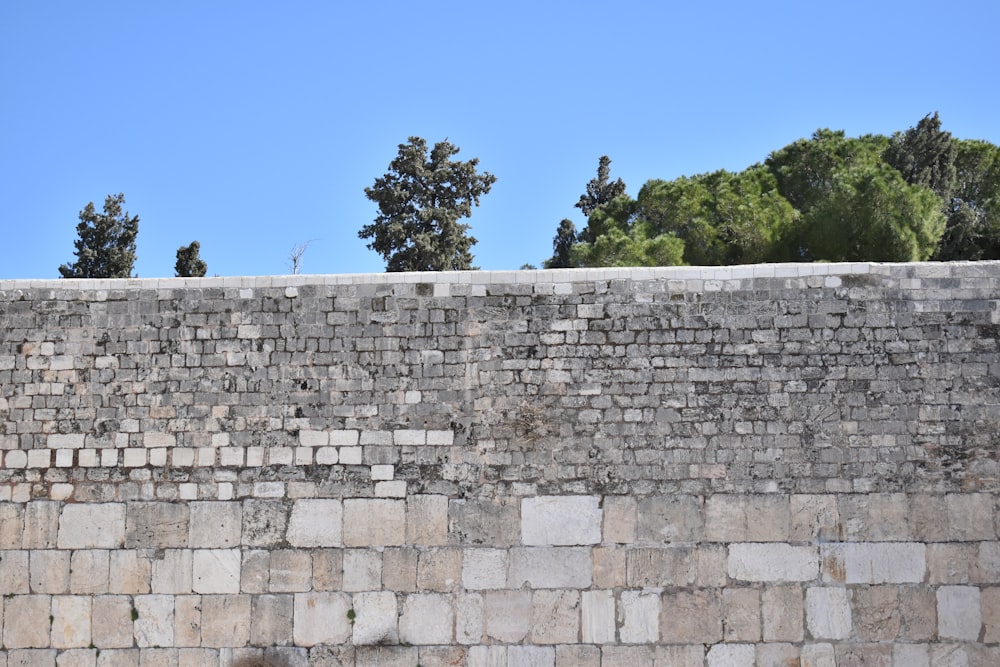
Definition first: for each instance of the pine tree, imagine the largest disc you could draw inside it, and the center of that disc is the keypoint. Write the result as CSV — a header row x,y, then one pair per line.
x,y
106,244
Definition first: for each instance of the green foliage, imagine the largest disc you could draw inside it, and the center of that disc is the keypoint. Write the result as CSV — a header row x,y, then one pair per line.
x,y
105,247
925,155
562,244
600,191
189,262
617,247
973,229
421,201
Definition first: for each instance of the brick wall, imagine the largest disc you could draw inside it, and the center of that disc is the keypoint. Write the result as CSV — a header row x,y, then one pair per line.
x,y
680,466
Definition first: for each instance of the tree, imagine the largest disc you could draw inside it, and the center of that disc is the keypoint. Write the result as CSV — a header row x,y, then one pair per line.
x,y
600,191
106,244
925,155
189,262
421,201
562,244
973,229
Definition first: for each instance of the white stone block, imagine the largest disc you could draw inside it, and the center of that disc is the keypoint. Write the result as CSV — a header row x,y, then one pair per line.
x,y
772,562
172,572
731,655
17,458
65,440
64,458
269,489
409,437
216,571
154,620
560,520
188,491
350,456
469,618
598,617
959,612
159,440
393,489
910,655
303,456
440,438
818,655
639,614
316,523
343,438
60,491
280,456
70,621
874,562
382,473
134,457
550,567
828,612
109,458
88,458
531,656
427,618
255,457
158,456
92,526
314,438
374,522
231,456
487,656
327,456
375,618
484,569
321,618
182,457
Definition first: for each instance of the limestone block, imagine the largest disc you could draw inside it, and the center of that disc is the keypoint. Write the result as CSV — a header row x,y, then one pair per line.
x,y
31,657
777,655
531,656
672,518
874,562
469,618
216,570
639,617
910,655
70,621
75,657
550,567
89,571
362,570
255,571
399,569
626,656
49,571
483,522
970,516
959,612
11,525
13,566
828,612
988,563
508,615
316,523
92,526
888,517
731,655
327,568
119,657
726,518
876,613
374,522
772,562
620,519
441,656
741,620
609,566
676,566
264,522
291,571
427,618
41,524
187,620
155,524
375,620
560,520
215,525
680,656
225,620
555,617
918,613
484,569
26,621
597,617
691,617
129,573
782,610
927,517
578,655
154,620
321,618
111,622
953,563
439,569
172,571
427,520
990,599
818,655
271,620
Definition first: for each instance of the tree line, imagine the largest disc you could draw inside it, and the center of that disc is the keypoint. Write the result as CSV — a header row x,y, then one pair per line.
x,y
920,194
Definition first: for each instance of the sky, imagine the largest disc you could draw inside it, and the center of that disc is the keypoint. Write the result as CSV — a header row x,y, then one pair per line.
x,y
254,127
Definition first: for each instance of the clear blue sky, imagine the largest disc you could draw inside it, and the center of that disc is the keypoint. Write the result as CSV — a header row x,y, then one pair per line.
x,y
255,126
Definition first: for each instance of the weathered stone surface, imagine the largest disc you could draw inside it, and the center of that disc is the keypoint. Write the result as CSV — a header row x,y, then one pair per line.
x,y
439,569
187,620
362,570
772,562
89,571
157,525
153,620
469,618
271,620
290,571
264,522
316,523
876,613
111,621
782,613
597,617
638,617
669,519
41,525
550,567
70,621
427,520
92,526
216,571
376,617
620,519
691,617
731,655
508,615
555,617
560,520
828,612
225,620
959,612
426,618
215,525
321,618
481,522
374,522
26,621
173,571
129,573
741,610
874,563
484,569
49,571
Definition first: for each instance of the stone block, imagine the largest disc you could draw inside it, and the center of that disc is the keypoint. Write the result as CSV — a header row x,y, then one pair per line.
x,y
818,655
731,655
13,567
187,620
597,617
70,621
49,571
441,656
172,571
156,525
469,618
26,621
669,519
316,523
782,612
225,620
828,612
399,569
75,657
215,525
362,570
550,567
375,620
888,517
926,520
129,573
726,518
578,655
92,526
427,520
874,562
911,655
531,656
291,571
321,618
959,612
111,621
264,522
609,566
255,571
679,656
876,613
918,613
119,657
374,522
741,614
676,566
772,562
555,617
560,520
626,656
11,525
41,524
953,563
639,617
620,519
508,615
484,569
153,620
327,569
777,655
216,571
768,518
990,600
90,571
690,617
970,516
482,522
427,618
439,569
31,657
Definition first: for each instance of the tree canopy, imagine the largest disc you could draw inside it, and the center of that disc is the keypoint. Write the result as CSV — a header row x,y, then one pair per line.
x,y
105,247
189,262
421,201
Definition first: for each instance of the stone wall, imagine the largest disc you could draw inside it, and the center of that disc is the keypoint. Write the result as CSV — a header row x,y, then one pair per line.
x,y
732,466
